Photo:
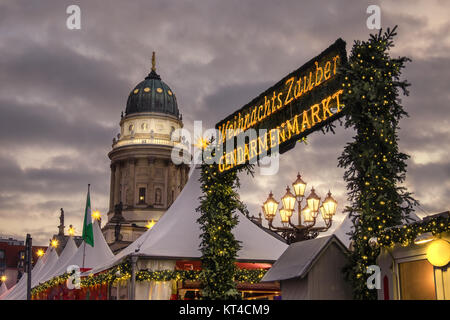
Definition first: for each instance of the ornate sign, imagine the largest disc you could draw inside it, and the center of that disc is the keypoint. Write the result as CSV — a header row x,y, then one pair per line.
x,y
299,104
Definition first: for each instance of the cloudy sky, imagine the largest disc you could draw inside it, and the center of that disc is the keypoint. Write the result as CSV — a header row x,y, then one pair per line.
x,y
62,91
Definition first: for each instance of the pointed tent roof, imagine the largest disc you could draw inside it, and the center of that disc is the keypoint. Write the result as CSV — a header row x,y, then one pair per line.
x,y
93,256
3,288
61,264
50,263
46,261
299,258
5,294
23,280
177,233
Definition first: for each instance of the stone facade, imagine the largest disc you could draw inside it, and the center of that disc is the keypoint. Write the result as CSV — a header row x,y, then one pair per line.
x,y
144,179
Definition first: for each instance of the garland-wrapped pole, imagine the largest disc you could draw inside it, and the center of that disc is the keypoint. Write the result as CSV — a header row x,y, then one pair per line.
x,y
374,165
219,247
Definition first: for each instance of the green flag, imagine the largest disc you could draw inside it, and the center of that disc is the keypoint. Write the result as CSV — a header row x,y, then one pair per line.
x,y
88,233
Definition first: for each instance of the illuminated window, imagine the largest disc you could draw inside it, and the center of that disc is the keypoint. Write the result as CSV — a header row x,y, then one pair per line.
x,y
141,195
417,280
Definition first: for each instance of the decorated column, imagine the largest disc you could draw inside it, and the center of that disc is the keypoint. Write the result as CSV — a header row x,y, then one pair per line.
x,y
375,166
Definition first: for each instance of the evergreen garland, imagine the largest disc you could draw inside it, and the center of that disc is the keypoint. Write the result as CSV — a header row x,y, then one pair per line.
x,y
219,247
406,234
111,276
374,166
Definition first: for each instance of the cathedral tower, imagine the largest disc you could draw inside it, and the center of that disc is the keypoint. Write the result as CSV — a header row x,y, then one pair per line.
x,y
144,180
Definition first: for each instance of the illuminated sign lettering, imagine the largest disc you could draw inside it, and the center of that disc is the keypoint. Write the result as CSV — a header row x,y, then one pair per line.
x,y
302,102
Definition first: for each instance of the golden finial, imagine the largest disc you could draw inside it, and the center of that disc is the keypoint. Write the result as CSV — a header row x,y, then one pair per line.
x,y
153,61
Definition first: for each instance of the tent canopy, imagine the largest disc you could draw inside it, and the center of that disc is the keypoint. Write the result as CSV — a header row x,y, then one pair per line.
x,y
177,233
68,252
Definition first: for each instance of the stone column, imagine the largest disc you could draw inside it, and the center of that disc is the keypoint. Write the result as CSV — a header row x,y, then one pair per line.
x,y
117,183
166,183
111,187
151,189
132,182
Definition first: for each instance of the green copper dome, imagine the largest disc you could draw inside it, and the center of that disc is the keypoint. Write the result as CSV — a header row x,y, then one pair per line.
x,y
152,95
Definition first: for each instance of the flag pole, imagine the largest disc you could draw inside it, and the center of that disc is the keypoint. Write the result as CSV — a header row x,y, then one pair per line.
x,y
84,247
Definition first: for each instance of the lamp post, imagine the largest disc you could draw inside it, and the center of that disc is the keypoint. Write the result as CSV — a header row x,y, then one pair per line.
x,y
307,215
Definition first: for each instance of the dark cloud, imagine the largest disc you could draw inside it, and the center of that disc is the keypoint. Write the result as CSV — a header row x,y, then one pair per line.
x,y
62,90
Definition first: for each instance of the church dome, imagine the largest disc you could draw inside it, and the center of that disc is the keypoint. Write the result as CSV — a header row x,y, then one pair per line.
x,y
152,95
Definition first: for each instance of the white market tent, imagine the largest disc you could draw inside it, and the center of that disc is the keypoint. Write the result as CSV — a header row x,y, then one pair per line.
x,y
4,294
23,280
99,254
51,261
3,289
18,292
50,266
68,252
177,233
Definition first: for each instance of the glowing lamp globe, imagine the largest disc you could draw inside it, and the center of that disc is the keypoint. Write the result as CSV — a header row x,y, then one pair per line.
x,y
270,206
330,205
285,215
288,200
438,253
264,212
308,215
313,201
299,186
324,214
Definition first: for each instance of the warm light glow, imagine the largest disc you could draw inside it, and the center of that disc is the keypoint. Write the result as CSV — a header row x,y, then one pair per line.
x,y
54,243
438,253
3,278
299,186
40,253
424,238
291,91
288,200
313,201
202,143
96,215
329,205
285,215
270,206
308,215
71,231
324,214
150,224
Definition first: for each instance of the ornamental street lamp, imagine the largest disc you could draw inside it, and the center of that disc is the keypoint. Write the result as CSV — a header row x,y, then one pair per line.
x,y
307,215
